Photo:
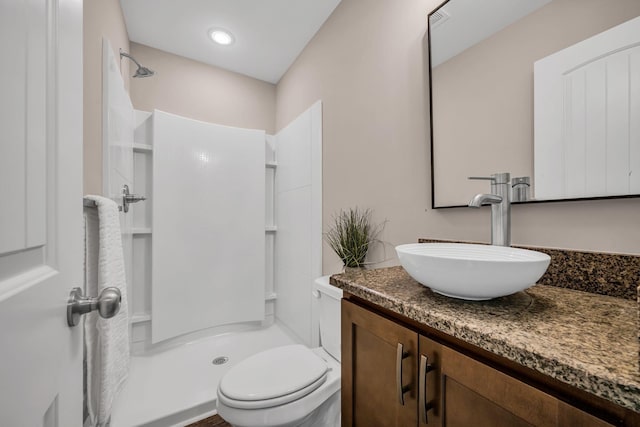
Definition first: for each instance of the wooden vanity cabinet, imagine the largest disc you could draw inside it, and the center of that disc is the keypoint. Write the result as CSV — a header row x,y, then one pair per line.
x,y
427,383
379,370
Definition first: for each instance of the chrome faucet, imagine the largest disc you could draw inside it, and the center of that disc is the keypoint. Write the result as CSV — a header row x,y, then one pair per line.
x,y
500,200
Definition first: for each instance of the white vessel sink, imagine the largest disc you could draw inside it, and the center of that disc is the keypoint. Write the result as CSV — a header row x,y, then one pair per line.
x,y
472,272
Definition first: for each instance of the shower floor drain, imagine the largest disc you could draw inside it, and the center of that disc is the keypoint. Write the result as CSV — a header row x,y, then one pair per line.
x,y
220,360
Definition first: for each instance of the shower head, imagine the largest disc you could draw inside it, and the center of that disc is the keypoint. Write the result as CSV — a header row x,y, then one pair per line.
x,y
141,71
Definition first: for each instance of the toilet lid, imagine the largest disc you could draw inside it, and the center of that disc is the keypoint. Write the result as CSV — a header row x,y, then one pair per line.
x,y
270,403
274,373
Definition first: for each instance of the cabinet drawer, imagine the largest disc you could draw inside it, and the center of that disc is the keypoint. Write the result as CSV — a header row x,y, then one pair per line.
x,y
476,394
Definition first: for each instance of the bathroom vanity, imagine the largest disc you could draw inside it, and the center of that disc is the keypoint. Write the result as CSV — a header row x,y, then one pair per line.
x,y
547,356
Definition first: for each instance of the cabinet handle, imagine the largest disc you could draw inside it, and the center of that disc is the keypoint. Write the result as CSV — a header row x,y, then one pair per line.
x,y
400,355
425,368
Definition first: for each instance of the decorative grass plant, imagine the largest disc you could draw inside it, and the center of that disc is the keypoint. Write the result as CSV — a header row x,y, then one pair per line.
x,y
351,235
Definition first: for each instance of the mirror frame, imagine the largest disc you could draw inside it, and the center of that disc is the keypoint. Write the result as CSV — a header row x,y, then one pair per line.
x,y
431,142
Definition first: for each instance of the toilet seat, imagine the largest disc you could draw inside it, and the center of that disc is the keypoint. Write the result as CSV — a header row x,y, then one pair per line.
x,y
272,378
270,403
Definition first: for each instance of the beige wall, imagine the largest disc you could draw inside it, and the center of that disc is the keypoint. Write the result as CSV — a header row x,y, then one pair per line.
x,y
102,18
200,91
180,86
466,122
368,66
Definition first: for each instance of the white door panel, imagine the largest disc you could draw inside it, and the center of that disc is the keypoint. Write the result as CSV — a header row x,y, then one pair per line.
x,y
587,100
634,129
40,212
22,108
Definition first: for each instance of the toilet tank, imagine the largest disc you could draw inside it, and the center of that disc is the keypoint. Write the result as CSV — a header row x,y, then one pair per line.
x,y
328,315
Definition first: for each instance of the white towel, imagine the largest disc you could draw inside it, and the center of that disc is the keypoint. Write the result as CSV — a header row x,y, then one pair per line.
x,y
106,340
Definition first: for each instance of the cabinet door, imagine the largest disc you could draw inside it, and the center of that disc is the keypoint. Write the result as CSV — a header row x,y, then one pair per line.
x,y
474,394
379,370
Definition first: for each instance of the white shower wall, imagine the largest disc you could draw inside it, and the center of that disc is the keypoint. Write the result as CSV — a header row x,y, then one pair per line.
x,y
117,136
208,250
142,318
292,230
298,254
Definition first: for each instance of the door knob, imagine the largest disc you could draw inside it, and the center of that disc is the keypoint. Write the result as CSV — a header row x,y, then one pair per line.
x,y
107,304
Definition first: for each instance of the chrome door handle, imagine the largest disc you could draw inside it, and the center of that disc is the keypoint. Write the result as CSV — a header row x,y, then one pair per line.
x,y
400,355
425,406
107,304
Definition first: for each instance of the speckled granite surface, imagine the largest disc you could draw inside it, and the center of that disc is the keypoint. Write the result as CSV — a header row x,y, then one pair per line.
x,y
589,341
600,273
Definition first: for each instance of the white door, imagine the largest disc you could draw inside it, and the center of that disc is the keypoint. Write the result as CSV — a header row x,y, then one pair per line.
x,y
40,211
586,109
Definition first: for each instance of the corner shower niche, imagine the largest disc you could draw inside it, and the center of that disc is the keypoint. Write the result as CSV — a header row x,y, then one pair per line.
x,y
180,310
140,285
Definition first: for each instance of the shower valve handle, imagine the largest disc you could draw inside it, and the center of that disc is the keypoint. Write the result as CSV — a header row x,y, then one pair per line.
x,y
128,198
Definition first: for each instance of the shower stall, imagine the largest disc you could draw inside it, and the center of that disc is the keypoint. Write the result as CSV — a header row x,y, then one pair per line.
x,y
222,255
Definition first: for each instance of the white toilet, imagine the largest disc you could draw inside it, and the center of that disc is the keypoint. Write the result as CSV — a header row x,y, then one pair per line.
x,y
290,385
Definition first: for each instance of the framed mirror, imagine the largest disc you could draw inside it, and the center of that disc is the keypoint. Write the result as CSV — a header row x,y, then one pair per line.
x,y
544,89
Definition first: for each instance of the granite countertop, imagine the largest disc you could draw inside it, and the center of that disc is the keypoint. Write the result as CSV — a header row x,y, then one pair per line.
x,y
586,340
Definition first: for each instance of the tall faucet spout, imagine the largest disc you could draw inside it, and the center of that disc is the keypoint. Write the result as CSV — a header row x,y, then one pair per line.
x,y
481,199
500,201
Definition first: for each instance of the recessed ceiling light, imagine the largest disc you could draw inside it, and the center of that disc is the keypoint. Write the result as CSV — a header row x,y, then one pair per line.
x,y
220,36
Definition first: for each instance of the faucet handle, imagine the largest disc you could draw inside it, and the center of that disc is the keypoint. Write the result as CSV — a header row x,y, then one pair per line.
x,y
486,178
496,178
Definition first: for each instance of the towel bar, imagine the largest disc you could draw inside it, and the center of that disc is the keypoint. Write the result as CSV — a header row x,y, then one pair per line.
x,y
127,199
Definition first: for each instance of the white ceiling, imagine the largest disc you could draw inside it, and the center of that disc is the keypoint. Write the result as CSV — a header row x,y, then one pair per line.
x,y
270,34
470,21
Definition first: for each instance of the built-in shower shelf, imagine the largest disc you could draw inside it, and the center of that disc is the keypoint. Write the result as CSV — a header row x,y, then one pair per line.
x,y
141,317
271,229
142,148
141,231
271,165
